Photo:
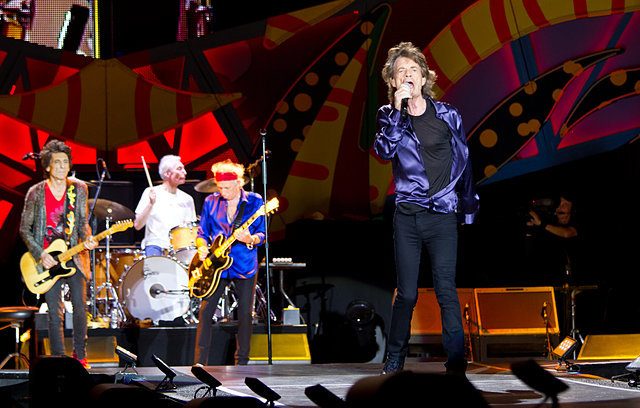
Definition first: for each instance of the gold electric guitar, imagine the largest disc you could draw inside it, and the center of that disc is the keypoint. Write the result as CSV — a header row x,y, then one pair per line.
x,y
205,275
40,280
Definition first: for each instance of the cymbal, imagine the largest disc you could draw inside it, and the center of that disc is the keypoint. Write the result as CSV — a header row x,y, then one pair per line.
x,y
210,186
88,183
105,208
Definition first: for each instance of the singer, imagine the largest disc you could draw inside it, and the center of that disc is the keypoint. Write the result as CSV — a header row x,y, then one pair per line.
x,y
434,192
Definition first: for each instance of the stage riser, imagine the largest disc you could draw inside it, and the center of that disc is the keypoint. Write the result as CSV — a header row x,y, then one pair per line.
x,y
174,345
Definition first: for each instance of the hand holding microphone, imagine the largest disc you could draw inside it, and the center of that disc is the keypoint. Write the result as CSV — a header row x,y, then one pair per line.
x,y
404,92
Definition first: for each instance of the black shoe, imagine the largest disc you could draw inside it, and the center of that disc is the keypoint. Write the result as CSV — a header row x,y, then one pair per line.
x,y
457,368
393,365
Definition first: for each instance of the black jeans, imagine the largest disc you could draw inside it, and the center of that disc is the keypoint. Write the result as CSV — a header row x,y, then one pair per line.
x,y
245,290
437,233
78,290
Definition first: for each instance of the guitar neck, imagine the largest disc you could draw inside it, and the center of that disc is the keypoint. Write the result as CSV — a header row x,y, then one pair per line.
x,y
73,251
226,244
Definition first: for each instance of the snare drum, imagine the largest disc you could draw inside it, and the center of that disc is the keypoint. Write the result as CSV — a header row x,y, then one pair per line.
x,y
155,288
183,242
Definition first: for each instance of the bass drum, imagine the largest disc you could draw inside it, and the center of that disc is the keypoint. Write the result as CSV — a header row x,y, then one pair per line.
x,y
155,288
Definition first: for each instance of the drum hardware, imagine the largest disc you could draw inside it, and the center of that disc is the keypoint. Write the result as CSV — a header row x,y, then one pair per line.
x,y
112,309
228,303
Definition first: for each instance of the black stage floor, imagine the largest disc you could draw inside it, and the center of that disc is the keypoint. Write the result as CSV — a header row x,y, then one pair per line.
x,y
498,386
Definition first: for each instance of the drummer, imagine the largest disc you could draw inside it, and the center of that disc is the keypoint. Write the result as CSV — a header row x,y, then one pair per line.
x,y
163,207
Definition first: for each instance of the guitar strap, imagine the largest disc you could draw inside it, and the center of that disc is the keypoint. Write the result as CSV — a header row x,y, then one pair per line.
x,y
69,211
238,221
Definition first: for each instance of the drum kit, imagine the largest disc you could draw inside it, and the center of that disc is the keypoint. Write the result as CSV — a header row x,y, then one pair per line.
x,y
129,287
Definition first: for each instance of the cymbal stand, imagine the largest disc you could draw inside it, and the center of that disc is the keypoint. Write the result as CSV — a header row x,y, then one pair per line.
x,y
575,333
116,314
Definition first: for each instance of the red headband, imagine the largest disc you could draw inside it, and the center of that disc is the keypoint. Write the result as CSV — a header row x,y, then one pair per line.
x,y
226,176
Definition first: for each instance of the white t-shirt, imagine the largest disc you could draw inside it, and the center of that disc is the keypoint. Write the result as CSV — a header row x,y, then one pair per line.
x,y
169,210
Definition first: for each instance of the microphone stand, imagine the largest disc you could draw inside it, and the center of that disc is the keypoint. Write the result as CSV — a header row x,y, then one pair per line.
x,y
263,134
94,224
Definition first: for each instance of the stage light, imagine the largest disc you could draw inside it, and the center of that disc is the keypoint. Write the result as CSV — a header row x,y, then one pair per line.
x,y
536,377
262,390
167,383
563,350
129,359
211,382
323,398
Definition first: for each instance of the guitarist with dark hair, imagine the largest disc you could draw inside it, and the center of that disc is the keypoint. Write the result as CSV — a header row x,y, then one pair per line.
x,y
56,209
231,214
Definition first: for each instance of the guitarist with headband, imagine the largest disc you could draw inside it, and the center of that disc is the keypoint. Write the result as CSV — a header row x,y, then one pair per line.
x,y
222,213
56,209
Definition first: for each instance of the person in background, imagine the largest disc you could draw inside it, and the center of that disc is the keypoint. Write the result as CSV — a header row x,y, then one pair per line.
x,y
163,207
554,253
55,209
425,141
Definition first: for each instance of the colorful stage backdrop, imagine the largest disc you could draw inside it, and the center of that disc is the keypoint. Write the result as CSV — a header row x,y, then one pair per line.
x,y
539,83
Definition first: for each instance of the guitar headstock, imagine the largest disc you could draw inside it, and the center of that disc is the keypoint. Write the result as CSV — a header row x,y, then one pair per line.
x,y
271,205
122,225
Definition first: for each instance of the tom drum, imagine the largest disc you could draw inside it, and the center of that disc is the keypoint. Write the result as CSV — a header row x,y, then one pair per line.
x,y
183,242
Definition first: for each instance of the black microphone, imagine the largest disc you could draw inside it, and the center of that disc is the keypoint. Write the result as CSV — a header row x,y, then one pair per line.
x,y
202,375
403,107
103,165
31,155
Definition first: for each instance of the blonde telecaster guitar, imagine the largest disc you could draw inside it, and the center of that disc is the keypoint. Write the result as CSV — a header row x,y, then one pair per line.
x,y
40,280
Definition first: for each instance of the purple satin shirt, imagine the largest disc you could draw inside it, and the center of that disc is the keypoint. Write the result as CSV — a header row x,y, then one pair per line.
x,y
213,221
396,140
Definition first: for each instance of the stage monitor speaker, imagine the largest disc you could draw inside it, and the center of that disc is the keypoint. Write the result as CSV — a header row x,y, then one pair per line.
x,y
507,311
57,381
426,318
286,348
610,347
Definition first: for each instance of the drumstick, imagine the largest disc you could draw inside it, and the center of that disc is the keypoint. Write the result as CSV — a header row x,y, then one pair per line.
x,y
146,171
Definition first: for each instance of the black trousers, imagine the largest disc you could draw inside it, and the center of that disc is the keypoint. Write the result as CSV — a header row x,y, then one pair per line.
x,y
245,291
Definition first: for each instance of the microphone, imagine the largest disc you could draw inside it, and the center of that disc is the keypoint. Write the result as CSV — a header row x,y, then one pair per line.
x,y
403,107
405,102
103,165
31,155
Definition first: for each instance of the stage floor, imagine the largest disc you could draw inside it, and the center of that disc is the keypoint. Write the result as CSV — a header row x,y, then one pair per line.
x,y
497,384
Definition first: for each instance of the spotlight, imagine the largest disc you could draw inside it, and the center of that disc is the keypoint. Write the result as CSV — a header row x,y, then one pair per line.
x,y
536,377
167,382
324,398
211,382
129,360
262,390
563,350
128,357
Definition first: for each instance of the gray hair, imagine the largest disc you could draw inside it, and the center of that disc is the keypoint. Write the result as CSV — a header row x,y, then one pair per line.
x,y
167,163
